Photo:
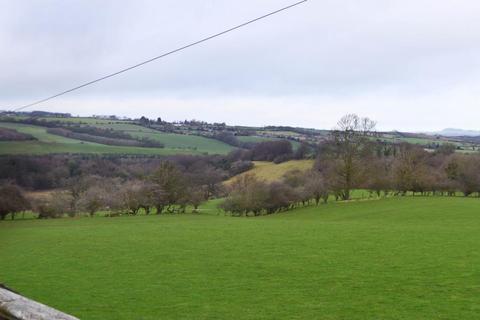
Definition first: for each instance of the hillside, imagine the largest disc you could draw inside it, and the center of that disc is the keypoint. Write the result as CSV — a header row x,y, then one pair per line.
x,y
49,143
399,258
189,137
270,171
453,132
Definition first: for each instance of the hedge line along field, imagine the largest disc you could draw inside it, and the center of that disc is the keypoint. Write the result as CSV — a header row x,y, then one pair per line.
x,y
181,141
50,143
256,139
397,258
170,140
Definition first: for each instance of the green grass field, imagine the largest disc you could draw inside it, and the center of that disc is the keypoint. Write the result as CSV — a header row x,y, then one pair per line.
x,y
49,143
172,140
399,258
465,146
189,142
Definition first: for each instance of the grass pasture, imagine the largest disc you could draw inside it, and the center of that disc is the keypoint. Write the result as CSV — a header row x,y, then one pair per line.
x,y
186,142
270,171
464,147
399,258
49,143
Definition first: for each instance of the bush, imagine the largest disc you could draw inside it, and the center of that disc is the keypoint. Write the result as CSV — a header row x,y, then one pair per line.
x,y
129,141
282,158
247,194
57,206
12,201
13,135
270,150
240,166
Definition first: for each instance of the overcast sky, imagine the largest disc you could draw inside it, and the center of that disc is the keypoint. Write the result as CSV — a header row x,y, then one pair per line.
x,y
412,65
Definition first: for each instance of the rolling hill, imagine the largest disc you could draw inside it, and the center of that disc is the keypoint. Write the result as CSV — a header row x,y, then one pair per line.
x,y
452,132
49,143
187,137
270,171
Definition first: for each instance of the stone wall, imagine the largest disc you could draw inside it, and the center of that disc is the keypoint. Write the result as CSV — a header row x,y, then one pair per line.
x,y
16,307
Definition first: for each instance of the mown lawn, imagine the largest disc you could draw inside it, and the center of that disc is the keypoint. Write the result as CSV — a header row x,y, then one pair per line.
x,y
410,258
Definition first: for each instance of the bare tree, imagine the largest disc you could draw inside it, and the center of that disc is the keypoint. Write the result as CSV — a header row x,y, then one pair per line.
x,y
93,199
378,176
465,170
76,186
317,187
12,201
410,169
196,197
55,206
172,186
350,141
247,194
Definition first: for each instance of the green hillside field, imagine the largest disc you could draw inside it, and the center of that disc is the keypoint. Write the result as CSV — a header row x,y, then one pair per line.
x,y
170,140
49,143
397,258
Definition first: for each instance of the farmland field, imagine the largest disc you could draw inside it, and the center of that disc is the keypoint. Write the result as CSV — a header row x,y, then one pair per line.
x,y
49,143
181,141
464,146
399,258
270,171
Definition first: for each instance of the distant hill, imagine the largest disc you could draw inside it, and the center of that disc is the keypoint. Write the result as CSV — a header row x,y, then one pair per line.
x,y
452,132
62,133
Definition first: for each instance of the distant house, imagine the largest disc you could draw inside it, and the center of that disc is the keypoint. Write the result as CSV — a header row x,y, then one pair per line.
x,y
105,117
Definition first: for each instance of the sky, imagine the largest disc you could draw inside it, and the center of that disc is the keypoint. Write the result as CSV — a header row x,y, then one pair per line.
x,y
411,65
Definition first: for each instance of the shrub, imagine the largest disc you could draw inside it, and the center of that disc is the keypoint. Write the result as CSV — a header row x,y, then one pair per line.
x,y
271,150
12,201
55,207
240,166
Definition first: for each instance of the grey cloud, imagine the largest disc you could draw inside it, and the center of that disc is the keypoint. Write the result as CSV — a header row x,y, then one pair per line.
x,y
407,51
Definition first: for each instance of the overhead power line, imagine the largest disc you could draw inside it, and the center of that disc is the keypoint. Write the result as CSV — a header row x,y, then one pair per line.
x,y
160,56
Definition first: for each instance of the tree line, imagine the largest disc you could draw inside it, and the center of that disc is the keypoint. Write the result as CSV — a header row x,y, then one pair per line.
x,y
7,134
127,141
55,171
85,132
119,184
168,189
352,158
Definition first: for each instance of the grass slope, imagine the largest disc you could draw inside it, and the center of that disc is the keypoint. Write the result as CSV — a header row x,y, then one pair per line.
x,y
49,143
270,171
180,141
170,140
410,258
